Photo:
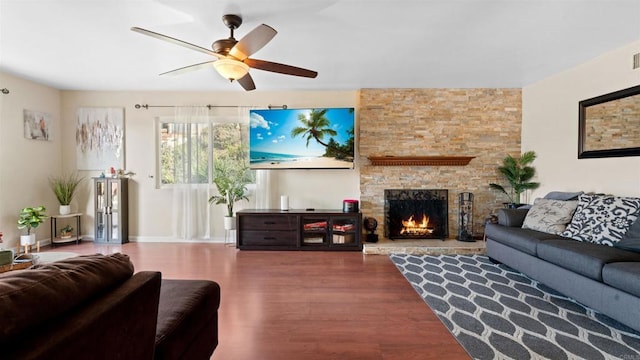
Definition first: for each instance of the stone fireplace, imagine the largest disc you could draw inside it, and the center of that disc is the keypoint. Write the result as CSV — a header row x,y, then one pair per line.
x,y
416,214
481,123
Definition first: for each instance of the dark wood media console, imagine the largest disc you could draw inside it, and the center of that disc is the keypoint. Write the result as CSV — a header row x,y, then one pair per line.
x,y
328,230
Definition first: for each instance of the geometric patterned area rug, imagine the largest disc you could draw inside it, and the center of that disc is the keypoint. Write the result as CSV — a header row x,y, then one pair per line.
x,y
496,312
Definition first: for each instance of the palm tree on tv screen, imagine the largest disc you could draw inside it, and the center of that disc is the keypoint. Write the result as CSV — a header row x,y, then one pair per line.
x,y
316,127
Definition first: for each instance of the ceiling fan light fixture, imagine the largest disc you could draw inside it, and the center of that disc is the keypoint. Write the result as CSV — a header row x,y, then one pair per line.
x,y
231,69
232,57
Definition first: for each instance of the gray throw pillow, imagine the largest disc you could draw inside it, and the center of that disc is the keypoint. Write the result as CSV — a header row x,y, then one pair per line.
x,y
631,239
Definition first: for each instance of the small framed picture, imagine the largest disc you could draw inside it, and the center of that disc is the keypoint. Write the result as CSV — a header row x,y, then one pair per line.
x,y
37,125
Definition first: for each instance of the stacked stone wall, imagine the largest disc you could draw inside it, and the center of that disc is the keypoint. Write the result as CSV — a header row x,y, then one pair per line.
x,y
485,123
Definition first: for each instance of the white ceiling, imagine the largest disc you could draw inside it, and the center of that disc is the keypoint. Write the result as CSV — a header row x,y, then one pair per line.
x,y
352,44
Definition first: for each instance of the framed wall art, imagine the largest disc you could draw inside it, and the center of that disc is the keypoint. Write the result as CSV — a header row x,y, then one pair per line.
x,y
99,138
37,125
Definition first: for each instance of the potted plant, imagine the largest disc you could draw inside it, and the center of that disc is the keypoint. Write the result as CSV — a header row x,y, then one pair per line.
x,y
231,179
518,173
64,187
65,232
30,218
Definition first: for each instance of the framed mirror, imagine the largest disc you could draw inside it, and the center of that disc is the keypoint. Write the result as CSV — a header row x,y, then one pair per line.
x,y
609,125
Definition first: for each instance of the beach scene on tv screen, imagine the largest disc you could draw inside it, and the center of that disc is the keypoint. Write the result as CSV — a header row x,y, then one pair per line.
x,y
321,138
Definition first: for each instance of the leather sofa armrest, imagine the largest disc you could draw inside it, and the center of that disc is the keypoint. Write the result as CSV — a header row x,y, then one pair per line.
x,y
512,217
120,324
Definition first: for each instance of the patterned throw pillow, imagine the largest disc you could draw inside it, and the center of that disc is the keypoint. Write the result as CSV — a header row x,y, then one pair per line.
x,y
550,216
602,219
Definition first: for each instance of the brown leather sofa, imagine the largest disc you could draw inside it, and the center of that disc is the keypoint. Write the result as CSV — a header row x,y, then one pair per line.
x,y
95,307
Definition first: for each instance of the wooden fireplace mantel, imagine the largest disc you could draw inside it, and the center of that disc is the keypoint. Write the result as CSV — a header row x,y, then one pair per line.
x,y
420,160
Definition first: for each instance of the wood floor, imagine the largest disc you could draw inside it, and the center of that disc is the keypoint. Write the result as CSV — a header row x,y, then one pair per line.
x,y
301,305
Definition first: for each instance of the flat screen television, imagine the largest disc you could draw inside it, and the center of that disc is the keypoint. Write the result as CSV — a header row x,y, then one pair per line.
x,y
319,138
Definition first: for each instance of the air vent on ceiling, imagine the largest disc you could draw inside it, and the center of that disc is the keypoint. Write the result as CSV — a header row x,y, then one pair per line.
x,y
636,61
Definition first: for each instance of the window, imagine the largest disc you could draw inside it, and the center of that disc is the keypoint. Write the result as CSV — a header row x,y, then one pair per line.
x,y
230,142
184,153
186,148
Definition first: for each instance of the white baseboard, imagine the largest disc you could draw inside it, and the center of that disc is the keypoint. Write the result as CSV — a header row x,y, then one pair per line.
x,y
143,239
166,239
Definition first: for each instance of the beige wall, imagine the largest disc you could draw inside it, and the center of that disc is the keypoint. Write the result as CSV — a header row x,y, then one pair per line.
x,y
150,208
25,165
550,127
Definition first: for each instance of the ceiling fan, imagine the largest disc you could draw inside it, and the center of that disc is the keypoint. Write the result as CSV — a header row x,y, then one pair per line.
x,y
233,61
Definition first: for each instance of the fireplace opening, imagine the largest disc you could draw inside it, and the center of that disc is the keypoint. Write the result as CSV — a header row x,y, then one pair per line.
x,y
416,214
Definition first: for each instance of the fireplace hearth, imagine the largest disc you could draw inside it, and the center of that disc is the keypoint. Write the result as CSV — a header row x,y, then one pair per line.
x,y
416,214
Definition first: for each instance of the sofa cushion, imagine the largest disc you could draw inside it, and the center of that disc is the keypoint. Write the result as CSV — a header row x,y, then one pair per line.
x,y
631,239
563,195
187,308
623,275
602,219
525,240
586,259
549,216
34,296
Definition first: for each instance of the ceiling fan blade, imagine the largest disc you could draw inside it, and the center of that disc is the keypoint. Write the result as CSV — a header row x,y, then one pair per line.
x,y
190,68
175,41
252,42
280,68
247,82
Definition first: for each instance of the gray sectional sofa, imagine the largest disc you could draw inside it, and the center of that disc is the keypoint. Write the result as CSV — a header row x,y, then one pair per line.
x,y
599,271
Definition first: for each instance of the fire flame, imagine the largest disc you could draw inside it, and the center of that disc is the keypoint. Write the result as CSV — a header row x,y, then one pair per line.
x,y
412,227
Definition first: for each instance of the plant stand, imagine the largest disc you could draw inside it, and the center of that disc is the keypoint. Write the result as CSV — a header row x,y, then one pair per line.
x,y
29,240
229,238
77,237
229,226
27,247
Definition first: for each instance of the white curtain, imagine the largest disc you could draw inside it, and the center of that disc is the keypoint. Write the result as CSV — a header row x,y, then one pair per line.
x,y
263,189
192,189
240,114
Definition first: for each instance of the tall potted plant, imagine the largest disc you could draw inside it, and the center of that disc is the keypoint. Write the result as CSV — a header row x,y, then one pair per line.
x,y
30,218
518,173
231,179
64,187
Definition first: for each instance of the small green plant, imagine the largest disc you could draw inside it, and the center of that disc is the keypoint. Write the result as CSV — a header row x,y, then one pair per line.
x,y
231,179
518,174
31,218
66,230
64,186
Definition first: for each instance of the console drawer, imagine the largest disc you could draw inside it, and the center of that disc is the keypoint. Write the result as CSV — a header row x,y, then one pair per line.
x,y
268,238
268,222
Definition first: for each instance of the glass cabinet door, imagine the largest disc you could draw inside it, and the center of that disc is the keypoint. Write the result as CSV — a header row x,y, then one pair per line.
x,y
111,211
314,231
114,210
343,230
100,209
